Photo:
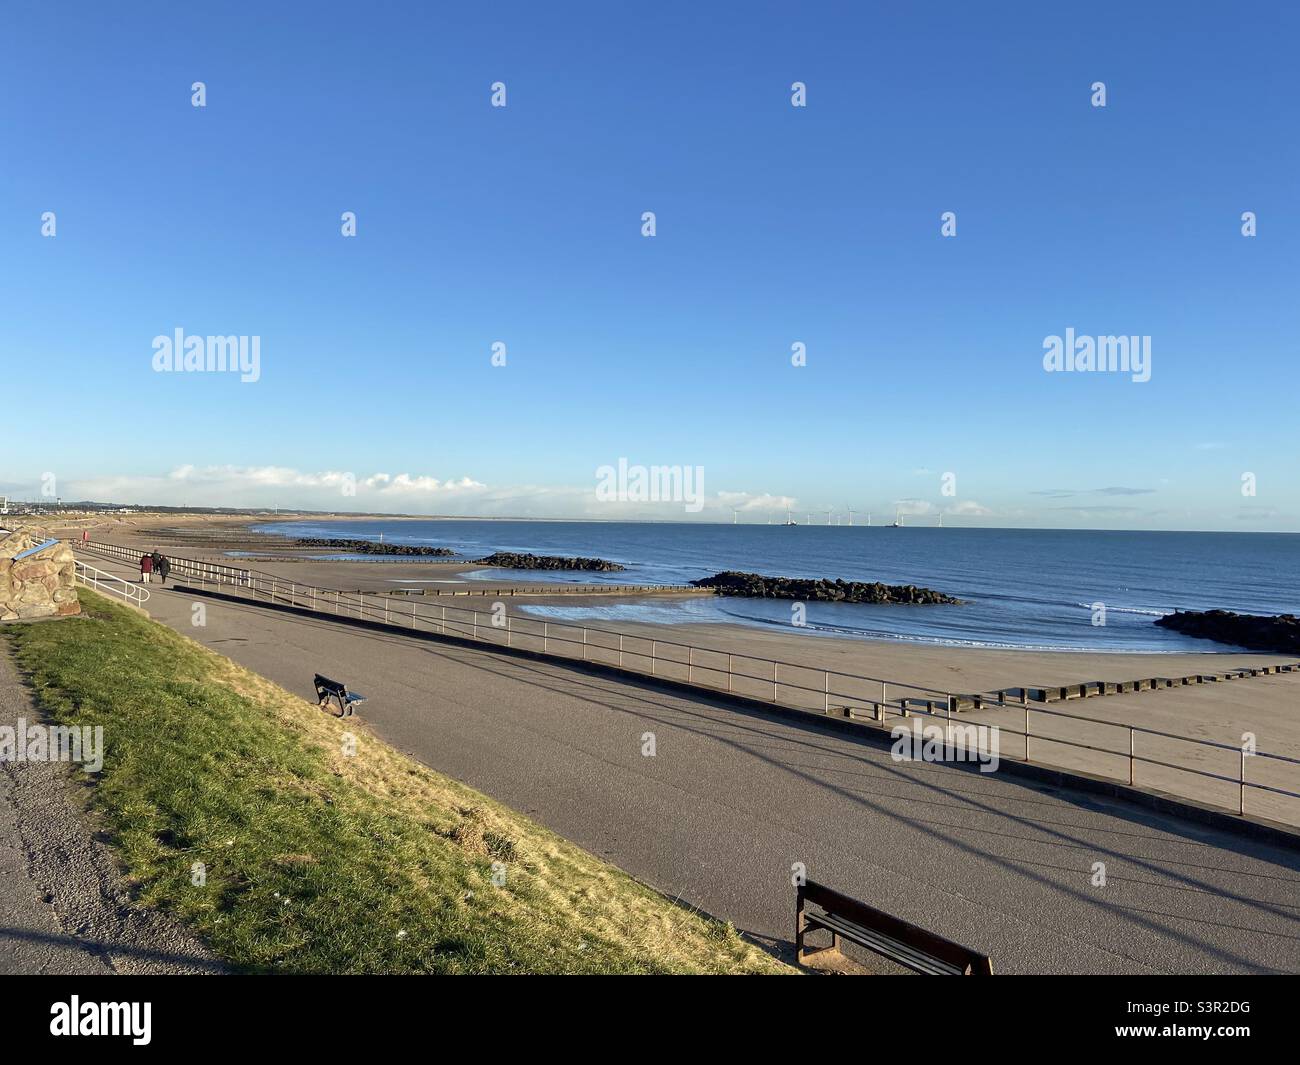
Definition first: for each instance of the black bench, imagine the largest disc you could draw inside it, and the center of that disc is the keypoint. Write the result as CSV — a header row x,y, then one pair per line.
x,y
327,689
907,944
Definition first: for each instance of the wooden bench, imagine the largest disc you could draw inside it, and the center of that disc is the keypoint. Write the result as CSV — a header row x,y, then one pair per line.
x,y
907,944
327,689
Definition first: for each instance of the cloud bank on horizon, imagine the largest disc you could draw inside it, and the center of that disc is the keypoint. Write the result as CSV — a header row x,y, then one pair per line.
x,y
285,488
339,491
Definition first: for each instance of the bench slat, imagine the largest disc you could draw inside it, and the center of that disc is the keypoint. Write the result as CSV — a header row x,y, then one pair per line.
x,y
884,945
892,937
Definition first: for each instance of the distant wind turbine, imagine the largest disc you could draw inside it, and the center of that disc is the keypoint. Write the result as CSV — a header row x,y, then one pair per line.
x,y
850,510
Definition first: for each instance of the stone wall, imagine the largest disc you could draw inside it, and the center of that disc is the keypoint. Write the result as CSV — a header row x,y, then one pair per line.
x,y
38,585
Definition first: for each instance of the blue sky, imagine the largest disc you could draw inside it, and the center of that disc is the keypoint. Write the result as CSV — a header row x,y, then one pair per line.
x,y
775,224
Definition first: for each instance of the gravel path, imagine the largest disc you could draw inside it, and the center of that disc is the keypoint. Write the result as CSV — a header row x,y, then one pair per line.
x,y
64,907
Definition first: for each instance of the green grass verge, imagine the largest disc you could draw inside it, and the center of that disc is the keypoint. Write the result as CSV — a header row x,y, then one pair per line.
x,y
322,861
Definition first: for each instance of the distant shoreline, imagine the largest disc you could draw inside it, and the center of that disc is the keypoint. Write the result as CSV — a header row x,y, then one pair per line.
x,y
255,517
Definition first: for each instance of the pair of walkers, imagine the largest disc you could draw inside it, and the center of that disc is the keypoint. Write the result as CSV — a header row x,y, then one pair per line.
x,y
154,563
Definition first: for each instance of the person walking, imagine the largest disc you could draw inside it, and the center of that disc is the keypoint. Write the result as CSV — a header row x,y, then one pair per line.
x,y
146,568
164,567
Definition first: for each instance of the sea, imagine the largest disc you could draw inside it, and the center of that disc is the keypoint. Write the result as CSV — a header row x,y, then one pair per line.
x,y
1058,590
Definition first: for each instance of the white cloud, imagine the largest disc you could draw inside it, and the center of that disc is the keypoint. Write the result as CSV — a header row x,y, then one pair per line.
x,y
970,508
745,501
286,488
274,486
914,507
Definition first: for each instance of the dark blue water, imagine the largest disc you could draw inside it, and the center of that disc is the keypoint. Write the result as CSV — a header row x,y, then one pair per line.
x,y
1024,588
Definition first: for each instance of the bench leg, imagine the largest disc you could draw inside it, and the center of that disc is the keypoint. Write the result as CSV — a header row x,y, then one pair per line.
x,y
805,955
802,954
800,928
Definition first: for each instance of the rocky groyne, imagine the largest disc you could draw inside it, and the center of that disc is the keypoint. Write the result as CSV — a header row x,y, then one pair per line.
x,y
1257,632
516,560
756,586
372,547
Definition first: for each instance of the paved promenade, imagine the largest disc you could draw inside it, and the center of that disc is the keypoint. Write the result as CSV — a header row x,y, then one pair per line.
x,y
733,798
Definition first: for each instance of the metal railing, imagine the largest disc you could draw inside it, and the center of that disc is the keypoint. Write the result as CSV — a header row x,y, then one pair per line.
x,y
1240,752
558,588
100,581
790,685
194,568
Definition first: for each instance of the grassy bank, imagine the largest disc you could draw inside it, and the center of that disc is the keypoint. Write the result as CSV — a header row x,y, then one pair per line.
x,y
318,860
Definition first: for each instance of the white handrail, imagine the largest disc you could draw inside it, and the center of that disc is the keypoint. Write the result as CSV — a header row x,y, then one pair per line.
x,y
108,582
